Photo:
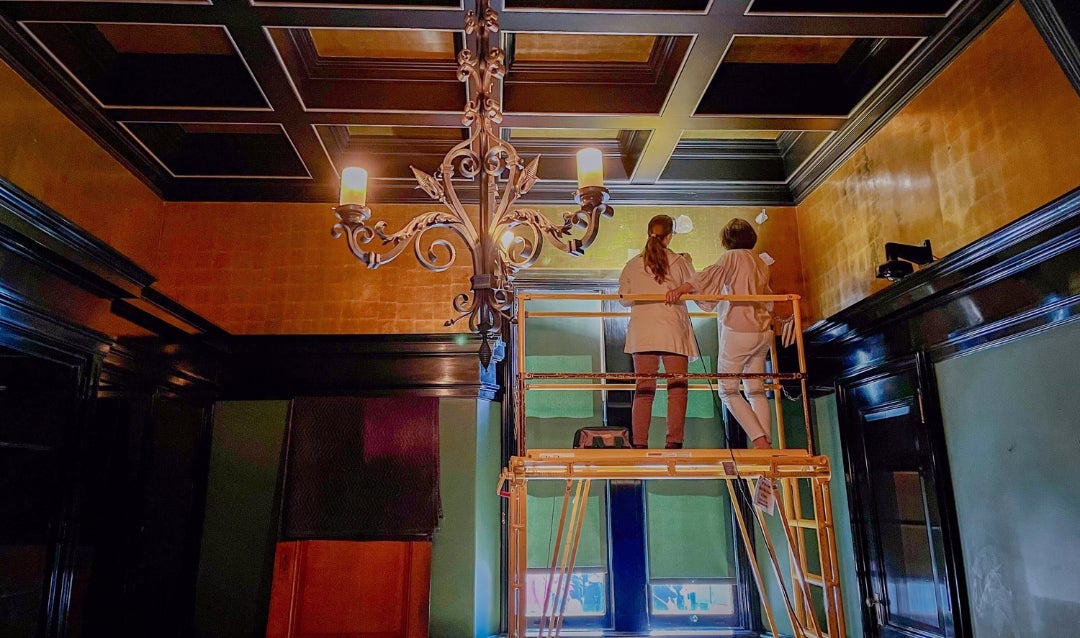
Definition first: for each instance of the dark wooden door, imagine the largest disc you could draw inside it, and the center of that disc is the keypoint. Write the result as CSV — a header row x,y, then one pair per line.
x,y
902,507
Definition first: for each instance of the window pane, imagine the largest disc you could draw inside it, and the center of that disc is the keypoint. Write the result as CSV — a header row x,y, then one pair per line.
x,y
586,594
673,598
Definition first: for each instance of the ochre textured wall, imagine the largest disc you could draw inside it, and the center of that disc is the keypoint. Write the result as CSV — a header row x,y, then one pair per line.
x,y
625,234
46,155
993,137
274,268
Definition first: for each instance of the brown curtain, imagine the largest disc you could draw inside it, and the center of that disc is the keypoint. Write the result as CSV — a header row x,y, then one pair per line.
x,y
362,469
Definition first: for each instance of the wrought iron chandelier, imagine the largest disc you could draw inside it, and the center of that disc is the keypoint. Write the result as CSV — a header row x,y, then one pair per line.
x,y
508,238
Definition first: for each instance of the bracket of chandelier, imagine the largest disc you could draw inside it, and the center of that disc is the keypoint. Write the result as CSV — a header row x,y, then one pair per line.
x,y
508,238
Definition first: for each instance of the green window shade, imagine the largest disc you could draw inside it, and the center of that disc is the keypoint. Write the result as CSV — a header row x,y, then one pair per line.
x,y
699,404
554,433
544,502
689,528
549,404
563,344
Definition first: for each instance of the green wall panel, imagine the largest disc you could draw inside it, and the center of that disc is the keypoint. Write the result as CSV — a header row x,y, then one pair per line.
x,y
1012,433
239,531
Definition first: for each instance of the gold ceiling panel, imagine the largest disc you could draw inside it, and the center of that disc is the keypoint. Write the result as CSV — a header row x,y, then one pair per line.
x,y
407,132
730,135
384,44
564,133
794,50
167,39
574,47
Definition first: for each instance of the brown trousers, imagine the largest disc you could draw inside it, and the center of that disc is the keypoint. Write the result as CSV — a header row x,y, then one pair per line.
x,y
645,392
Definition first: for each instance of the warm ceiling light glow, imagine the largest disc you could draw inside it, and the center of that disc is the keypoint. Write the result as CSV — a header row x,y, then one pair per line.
x,y
353,186
590,167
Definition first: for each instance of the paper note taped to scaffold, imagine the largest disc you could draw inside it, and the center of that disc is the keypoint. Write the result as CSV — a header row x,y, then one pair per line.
x,y
765,496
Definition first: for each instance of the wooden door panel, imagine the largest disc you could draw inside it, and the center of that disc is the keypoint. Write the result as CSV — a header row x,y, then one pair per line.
x,y
903,518
350,589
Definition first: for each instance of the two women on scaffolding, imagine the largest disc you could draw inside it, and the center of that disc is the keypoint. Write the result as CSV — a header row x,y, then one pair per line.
x,y
661,330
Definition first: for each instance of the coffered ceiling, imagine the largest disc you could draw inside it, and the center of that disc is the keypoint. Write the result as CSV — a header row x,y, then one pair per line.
x,y
692,101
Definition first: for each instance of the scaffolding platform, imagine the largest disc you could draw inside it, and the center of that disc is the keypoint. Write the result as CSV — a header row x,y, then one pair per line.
x,y
811,601
626,463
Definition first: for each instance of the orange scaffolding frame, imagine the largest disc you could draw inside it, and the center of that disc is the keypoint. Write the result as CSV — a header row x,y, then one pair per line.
x,y
790,469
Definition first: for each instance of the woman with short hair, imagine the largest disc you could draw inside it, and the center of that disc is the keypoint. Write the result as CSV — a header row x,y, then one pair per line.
x,y
745,327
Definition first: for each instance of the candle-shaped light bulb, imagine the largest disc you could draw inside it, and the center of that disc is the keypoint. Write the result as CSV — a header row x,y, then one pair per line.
x,y
590,167
353,186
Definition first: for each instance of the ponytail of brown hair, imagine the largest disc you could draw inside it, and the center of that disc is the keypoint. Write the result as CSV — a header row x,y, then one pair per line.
x,y
654,254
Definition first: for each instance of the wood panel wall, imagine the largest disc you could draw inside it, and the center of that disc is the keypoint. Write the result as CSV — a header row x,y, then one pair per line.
x,y
350,590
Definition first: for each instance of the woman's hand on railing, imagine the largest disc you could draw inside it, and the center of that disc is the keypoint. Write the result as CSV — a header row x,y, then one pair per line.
x,y
675,294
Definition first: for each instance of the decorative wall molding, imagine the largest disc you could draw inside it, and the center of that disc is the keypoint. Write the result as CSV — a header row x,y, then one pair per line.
x,y
286,366
1015,280
1058,21
48,240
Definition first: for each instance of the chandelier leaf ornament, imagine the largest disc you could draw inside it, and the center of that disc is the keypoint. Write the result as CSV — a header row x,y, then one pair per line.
x,y
508,238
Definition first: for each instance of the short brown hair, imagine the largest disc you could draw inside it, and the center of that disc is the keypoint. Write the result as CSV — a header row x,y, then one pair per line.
x,y
738,233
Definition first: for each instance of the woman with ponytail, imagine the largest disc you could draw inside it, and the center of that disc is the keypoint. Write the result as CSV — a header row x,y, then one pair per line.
x,y
658,331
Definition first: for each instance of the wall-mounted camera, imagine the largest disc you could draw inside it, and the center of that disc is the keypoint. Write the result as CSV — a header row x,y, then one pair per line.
x,y
899,259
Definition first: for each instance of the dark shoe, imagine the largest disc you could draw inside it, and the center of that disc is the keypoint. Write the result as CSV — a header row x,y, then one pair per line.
x,y
673,446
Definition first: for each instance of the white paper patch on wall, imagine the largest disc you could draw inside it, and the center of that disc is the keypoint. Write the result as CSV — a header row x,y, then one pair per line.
x,y
683,225
767,258
762,217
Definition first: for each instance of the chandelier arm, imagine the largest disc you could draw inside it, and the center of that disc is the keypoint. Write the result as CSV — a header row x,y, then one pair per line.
x,y
457,209
522,252
589,220
357,233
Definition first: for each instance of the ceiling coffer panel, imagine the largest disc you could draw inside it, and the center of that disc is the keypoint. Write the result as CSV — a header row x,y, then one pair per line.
x,y
151,65
800,75
349,69
220,150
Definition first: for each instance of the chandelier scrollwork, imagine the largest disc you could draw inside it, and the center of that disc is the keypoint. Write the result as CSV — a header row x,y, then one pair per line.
x,y
509,238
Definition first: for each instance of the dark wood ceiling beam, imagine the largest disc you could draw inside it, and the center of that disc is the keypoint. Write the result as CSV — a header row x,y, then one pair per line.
x,y
258,51
717,22
847,26
693,80
385,118
350,17
121,12
650,122
271,16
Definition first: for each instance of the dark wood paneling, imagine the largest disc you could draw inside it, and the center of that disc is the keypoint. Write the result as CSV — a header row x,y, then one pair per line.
x,y
282,367
145,490
324,588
